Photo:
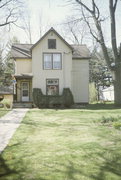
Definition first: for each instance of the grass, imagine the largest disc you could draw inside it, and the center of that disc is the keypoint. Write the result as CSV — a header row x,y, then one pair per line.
x,y
66,144
3,111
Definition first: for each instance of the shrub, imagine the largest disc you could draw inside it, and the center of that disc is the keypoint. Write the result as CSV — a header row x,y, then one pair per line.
x,y
93,94
117,125
6,103
112,121
37,94
108,119
68,97
45,101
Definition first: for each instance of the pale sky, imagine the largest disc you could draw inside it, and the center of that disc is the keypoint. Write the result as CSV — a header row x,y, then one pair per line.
x,y
53,13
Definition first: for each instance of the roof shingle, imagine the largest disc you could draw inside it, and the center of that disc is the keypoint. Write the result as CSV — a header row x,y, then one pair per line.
x,y
24,50
21,51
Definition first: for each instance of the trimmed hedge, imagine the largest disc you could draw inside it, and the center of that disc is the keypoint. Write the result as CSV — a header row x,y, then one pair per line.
x,y
46,101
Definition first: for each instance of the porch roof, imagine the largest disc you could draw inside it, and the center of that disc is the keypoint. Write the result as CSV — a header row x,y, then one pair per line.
x,y
6,90
23,76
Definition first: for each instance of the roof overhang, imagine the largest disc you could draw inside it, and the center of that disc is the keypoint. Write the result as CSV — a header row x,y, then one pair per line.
x,y
6,93
81,58
22,57
23,76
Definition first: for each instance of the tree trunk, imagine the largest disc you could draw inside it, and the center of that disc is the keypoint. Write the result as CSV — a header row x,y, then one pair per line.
x,y
117,86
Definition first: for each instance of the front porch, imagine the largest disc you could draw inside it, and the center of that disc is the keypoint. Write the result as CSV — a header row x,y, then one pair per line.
x,y
23,91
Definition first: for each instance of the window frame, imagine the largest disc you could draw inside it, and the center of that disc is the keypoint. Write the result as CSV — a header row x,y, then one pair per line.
x,y
52,85
51,53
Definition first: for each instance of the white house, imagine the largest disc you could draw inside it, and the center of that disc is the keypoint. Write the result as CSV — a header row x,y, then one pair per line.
x,y
51,64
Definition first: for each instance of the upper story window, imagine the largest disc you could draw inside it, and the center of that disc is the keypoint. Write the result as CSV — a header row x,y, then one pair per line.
x,y
52,61
51,43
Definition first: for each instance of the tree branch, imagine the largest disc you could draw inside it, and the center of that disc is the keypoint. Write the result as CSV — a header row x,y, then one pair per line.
x,y
115,4
82,4
71,29
72,21
7,23
113,28
6,3
98,12
99,30
87,22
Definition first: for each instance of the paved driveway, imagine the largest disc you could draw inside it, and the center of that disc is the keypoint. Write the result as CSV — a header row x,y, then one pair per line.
x,y
8,125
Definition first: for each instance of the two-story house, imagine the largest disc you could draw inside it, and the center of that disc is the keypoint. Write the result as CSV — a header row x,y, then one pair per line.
x,y
51,64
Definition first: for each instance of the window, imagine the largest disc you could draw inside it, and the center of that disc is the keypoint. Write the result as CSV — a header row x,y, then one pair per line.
x,y
52,61
56,61
52,86
47,61
51,43
25,87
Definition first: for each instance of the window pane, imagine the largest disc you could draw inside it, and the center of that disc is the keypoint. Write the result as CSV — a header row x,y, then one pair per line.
x,y
25,92
52,90
25,85
51,43
52,81
56,61
47,61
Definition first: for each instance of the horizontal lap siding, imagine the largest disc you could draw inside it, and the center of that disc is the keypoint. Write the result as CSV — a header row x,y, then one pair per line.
x,y
40,75
80,81
23,66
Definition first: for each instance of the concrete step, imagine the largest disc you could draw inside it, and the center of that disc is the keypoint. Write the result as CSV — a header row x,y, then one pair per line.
x,y
22,105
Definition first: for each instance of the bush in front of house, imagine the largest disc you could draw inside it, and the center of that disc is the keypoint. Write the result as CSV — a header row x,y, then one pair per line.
x,y
6,103
46,101
68,97
37,93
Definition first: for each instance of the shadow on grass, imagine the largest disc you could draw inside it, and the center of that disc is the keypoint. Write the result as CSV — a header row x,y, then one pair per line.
x,y
14,173
4,168
98,106
102,106
110,169
7,173
110,166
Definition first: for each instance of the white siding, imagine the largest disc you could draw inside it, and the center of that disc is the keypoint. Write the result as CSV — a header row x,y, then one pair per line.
x,y
40,75
23,66
80,81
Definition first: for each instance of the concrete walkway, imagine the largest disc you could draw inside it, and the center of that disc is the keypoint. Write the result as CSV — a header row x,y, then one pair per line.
x,y
8,125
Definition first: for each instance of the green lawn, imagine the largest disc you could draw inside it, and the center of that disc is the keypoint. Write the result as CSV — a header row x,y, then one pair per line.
x,y
64,145
3,111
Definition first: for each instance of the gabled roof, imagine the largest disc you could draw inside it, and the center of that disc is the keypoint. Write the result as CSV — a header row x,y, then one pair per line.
x,y
80,51
23,51
51,30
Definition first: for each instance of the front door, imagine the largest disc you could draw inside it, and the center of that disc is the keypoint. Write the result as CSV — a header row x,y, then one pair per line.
x,y
25,91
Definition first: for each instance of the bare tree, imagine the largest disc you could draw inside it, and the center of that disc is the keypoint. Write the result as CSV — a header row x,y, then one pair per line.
x,y
75,30
113,64
10,11
27,27
40,24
